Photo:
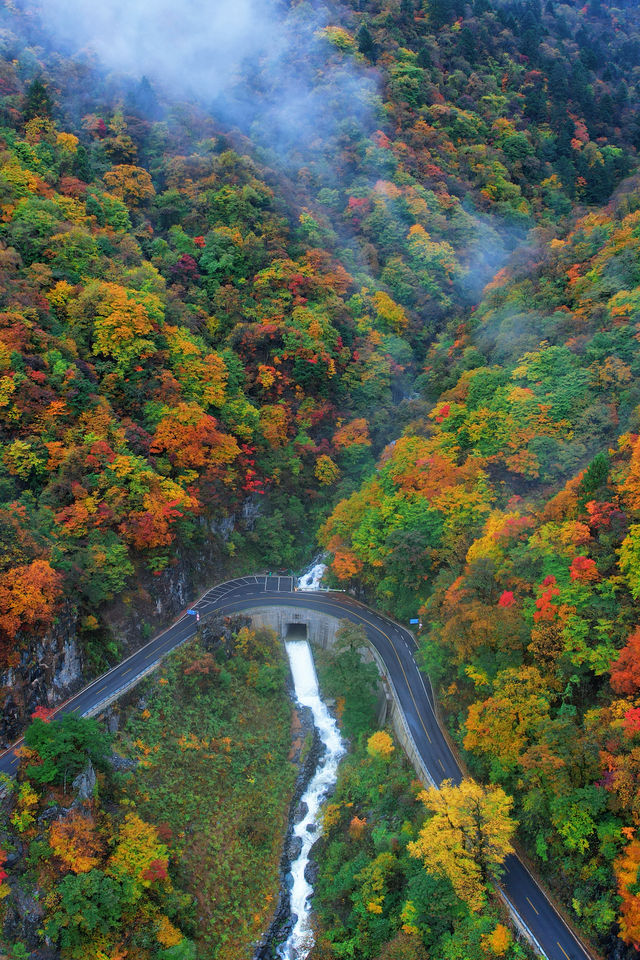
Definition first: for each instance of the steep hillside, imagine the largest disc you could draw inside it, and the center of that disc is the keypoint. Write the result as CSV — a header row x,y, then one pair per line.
x,y
381,282
508,518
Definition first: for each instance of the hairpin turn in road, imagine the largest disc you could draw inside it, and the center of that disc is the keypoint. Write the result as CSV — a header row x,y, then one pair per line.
x,y
396,646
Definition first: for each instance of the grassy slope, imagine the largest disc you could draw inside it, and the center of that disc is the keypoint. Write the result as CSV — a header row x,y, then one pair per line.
x,y
214,765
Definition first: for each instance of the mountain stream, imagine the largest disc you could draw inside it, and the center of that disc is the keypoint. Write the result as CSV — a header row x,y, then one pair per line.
x,y
300,939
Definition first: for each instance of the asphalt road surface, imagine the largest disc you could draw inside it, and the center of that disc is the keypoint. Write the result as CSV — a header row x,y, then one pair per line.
x,y
396,648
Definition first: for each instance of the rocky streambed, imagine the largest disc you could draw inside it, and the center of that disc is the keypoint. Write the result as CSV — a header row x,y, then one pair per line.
x,y
290,936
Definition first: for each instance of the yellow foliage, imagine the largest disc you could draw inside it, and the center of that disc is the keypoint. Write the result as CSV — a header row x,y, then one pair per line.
x,y
373,879
499,941
130,184
167,934
326,470
60,294
408,915
331,816
380,745
7,388
467,837
122,321
24,815
138,847
67,142
389,312
39,128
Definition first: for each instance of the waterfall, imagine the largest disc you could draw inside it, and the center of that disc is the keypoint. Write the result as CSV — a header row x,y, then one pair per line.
x,y
300,940
311,579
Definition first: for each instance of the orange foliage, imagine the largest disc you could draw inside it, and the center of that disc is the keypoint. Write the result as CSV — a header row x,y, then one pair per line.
x,y
584,570
357,827
28,595
345,564
355,432
75,842
626,871
274,421
625,671
191,438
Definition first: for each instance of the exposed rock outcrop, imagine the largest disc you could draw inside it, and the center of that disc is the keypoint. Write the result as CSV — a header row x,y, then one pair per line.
x,y
48,671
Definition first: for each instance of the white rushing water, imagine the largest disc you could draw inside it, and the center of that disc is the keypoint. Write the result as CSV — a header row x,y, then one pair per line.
x,y
300,940
312,579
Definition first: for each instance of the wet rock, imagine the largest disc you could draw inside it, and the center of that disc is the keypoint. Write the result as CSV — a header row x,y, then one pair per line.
x,y
51,813
311,873
301,811
294,846
67,670
14,856
112,721
48,670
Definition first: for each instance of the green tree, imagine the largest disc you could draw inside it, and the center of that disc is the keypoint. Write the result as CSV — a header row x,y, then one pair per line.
x,y
365,42
37,102
352,681
90,904
64,747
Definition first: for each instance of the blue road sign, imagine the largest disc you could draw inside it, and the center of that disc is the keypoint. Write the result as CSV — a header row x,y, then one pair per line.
x,y
414,621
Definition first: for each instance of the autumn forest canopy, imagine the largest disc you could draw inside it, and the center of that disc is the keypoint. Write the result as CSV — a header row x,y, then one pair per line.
x,y
370,285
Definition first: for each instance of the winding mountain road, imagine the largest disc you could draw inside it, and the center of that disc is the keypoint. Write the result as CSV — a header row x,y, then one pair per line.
x,y
396,647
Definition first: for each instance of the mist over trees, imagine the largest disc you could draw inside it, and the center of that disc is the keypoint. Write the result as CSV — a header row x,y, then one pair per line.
x,y
368,276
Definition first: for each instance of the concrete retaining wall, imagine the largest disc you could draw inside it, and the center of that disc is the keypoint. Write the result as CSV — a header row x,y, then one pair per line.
x,y
321,630
321,627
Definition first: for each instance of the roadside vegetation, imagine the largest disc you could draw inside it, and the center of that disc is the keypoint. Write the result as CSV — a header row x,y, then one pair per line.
x,y
173,851
414,335
395,881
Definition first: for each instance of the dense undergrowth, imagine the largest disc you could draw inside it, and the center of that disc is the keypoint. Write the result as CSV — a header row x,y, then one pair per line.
x,y
178,857
373,898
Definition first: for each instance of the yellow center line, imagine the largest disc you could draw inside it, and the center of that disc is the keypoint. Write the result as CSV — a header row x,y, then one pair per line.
x,y
404,674
393,647
563,950
441,763
535,911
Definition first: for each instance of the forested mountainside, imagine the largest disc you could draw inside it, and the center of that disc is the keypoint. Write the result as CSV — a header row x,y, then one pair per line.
x,y
507,518
410,324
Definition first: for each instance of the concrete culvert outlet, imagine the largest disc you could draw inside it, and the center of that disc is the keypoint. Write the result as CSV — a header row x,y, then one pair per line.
x,y
296,631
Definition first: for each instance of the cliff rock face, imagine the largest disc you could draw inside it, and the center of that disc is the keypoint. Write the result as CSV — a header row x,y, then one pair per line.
x,y
49,671
156,601
52,667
